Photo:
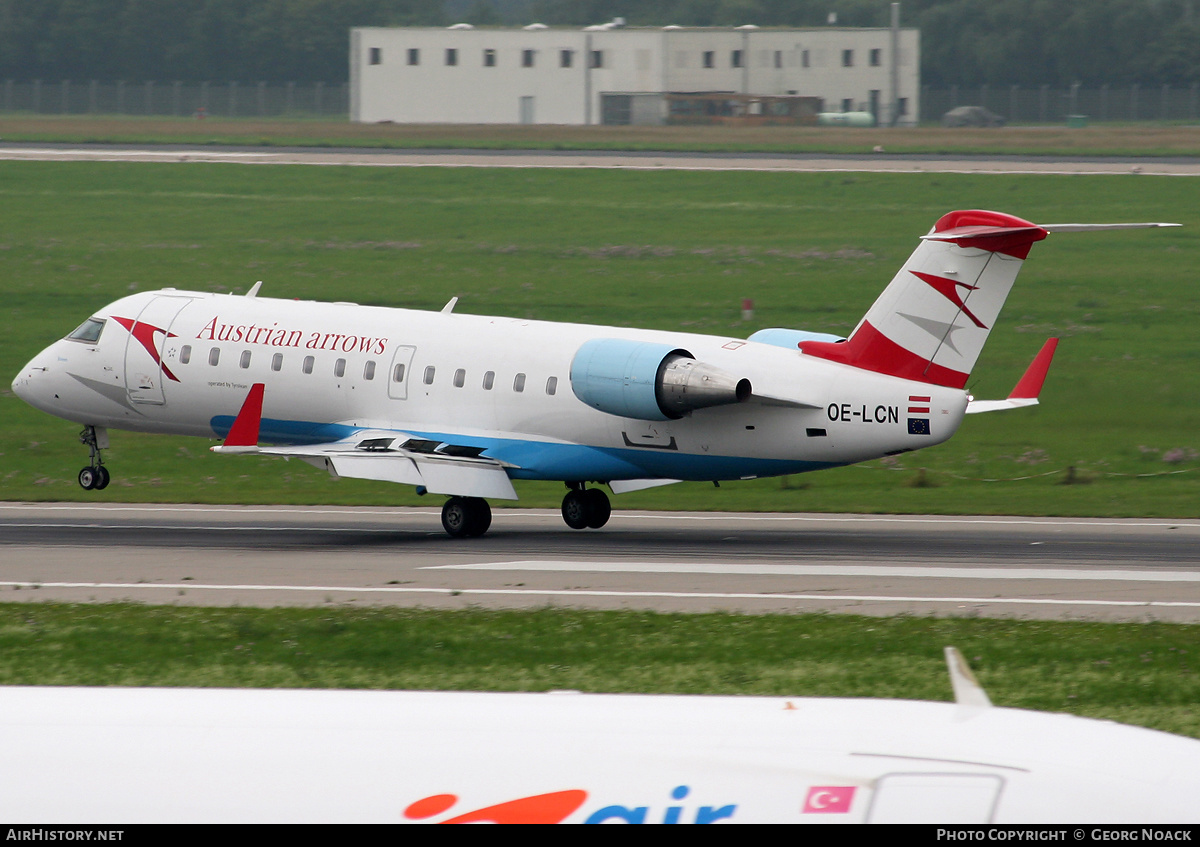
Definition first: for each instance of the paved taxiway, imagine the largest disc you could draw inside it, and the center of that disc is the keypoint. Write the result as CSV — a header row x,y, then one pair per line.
x,y
222,555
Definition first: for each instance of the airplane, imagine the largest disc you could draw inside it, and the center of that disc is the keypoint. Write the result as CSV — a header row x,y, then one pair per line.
x,y
112,755
462,405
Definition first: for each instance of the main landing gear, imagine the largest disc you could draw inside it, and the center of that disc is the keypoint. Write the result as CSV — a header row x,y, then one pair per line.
x,y
466,517
585,508
95,476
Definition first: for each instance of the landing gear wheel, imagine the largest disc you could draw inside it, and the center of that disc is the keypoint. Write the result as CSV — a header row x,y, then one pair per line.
x,y
575,509
88,477
466,517
102,478
598,508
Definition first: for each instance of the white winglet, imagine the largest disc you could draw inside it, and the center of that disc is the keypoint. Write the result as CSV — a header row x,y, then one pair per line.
x,y
967,690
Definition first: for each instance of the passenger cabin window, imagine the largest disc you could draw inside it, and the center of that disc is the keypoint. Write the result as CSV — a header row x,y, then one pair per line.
x,y
339,368
489,379
308,364
277,362
519,382
88,331
214,355
398,373
429,372
460,377
245,360
552,385
185,354
369,370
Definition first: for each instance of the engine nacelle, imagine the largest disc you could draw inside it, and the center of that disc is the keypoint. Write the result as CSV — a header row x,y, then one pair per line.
x,y
648,381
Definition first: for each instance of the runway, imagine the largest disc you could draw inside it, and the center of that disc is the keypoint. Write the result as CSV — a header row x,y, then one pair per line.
x,y
825,163
1093,569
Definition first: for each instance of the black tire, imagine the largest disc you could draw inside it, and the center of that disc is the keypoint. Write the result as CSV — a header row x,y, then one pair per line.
x,y
598,508
88,478
456,517
103,478
480,516
575,510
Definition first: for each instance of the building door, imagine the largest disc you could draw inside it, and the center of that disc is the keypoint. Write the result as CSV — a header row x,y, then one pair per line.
x,y
526,110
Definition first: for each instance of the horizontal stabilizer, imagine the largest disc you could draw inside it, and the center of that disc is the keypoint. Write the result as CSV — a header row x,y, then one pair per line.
x,y
1028,387
1099,227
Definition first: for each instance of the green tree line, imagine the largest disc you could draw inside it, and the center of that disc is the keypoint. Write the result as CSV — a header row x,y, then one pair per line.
x,y
965,42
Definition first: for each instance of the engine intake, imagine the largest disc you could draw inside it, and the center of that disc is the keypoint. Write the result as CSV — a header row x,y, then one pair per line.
x,y
648,381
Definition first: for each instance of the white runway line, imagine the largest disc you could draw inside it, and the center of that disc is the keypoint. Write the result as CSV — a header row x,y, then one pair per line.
x,y
768,569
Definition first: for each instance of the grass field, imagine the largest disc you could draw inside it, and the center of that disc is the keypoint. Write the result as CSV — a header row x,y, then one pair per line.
x,y
1144,674
668,250
673,250
1141,139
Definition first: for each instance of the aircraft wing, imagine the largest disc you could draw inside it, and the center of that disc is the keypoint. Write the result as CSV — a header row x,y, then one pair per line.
x,y
1028,387
384,455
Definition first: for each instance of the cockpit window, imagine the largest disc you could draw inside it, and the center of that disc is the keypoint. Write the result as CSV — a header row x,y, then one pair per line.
x,y
88,331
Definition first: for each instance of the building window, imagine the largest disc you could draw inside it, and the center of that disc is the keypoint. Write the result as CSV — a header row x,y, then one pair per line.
x,y
369,370
460,377
527,58
308,364
552,385
414,56
277,362
735,59
779,58
876,57
398,373
489,379
902,106
804,58
847,58
709,60
339,368
566,58
597,58
185,354
848,104
429,372
519,383
489,58
375,56
245,362
451,56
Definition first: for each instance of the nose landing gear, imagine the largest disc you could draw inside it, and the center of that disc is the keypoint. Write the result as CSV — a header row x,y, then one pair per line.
x,y
585,508
95,476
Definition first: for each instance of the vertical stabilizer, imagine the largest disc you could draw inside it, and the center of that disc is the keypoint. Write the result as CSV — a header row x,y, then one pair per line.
x,y
931,322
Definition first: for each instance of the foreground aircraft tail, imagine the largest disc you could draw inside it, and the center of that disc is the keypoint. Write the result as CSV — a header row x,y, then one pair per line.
x,y
931,322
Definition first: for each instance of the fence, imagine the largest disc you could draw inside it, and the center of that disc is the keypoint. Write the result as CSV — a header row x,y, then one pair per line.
x,y
1045,104
225,99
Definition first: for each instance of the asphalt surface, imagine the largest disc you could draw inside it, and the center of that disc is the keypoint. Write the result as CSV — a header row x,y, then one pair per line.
x,y
263,556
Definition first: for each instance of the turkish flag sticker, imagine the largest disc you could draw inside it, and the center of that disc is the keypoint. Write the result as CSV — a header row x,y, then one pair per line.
x,y
829,799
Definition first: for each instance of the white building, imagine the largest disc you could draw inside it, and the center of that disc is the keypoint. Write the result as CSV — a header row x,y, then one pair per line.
x,y
570,76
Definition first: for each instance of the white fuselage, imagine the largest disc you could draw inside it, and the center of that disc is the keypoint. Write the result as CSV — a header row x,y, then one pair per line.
x,y
503,384
129,755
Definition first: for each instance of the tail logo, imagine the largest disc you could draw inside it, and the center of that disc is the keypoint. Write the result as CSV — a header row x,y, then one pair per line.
x,y
948,288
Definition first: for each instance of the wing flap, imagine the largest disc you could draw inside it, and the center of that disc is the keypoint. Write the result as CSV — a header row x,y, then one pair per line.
x,y
383,455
